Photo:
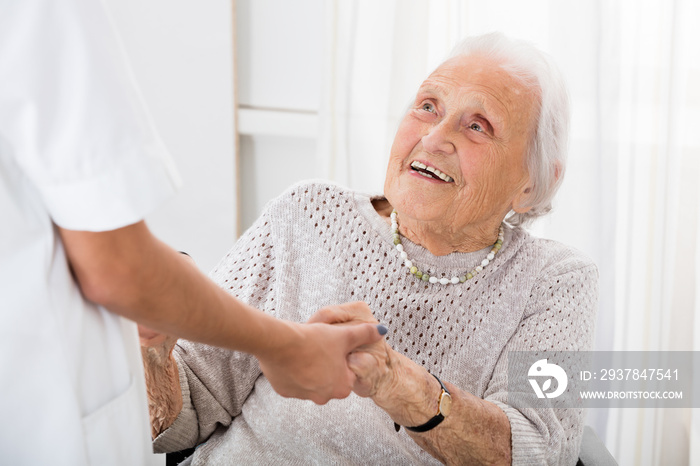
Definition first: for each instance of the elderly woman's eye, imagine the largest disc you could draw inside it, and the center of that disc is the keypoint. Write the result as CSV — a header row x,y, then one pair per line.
x,y
476,127
428,107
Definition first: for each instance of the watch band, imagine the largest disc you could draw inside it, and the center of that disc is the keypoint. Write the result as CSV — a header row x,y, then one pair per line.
x,y
435,420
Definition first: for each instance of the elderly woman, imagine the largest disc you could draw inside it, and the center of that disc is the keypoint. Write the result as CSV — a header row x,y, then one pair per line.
x,y
441,258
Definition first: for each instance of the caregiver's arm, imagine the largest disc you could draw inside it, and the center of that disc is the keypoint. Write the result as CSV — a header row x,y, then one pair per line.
x,y
133,274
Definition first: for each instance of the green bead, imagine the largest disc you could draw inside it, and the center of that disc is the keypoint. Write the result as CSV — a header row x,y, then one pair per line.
x,y
419,274
497,246
469,276
414,269
463,279
397,240
425,277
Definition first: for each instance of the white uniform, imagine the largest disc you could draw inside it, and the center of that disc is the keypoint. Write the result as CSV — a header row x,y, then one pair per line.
x,y
76,149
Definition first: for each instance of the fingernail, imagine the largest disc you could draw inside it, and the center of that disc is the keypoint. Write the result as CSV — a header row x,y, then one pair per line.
x,y
381,328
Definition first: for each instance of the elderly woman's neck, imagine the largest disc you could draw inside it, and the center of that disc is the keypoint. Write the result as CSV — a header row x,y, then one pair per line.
x,y
441,240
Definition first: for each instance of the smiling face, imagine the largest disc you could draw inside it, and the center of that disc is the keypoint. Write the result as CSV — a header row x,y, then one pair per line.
x,y
457,164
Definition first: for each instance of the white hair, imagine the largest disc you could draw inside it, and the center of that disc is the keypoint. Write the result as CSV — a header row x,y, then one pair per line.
x,y
546,154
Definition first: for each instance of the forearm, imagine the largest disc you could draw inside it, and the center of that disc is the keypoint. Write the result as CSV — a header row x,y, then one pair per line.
x,y
475,432
163,388
133,274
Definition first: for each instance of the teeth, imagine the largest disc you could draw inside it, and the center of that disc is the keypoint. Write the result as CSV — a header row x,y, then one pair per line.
x,y
438,173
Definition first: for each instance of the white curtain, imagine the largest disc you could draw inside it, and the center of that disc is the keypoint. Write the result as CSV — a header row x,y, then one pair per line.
x,y
650,84
630,198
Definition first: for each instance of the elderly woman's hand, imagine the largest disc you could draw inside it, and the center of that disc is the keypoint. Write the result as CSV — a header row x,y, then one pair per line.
x,y
153,341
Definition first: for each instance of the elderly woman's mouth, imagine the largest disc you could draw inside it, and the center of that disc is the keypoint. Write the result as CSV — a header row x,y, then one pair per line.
x,y
430,172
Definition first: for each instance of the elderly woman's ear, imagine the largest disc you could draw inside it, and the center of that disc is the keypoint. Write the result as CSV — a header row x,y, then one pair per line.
x,y
522,202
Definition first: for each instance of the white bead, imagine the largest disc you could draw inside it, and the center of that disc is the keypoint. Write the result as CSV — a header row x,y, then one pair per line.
x,y
478,268
455,280
408,263
491,256
444,281
484,262
433,280
404,255
399,247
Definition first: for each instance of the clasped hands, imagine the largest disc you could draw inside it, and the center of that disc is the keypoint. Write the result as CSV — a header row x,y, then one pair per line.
x,y
315,368
402,388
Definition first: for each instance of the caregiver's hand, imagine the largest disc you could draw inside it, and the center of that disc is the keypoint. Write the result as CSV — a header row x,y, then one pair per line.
x,y
357,312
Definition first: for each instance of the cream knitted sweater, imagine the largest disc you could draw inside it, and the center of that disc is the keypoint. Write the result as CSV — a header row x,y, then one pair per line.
x,y
319,244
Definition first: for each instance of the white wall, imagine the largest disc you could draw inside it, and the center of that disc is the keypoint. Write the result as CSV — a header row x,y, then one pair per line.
x,y
279,46
182,56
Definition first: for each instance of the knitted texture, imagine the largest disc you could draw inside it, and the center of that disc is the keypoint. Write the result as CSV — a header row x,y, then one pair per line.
x,y
319,245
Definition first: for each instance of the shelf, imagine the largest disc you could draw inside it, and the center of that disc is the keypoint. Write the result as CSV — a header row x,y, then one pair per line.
x,y
275,122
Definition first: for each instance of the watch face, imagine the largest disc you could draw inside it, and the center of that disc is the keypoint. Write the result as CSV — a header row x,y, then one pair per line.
x,y
445,404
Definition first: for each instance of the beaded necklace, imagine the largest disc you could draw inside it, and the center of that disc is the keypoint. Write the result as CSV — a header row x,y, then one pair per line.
x,y
444,280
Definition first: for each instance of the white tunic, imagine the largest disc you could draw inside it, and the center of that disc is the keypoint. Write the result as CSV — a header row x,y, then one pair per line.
x,y
76,149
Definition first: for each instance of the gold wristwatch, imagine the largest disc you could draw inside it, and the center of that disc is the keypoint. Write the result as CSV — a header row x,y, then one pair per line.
x,y
444,408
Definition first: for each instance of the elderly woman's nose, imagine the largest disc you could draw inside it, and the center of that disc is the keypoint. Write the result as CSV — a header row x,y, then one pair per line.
x,y
439,139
